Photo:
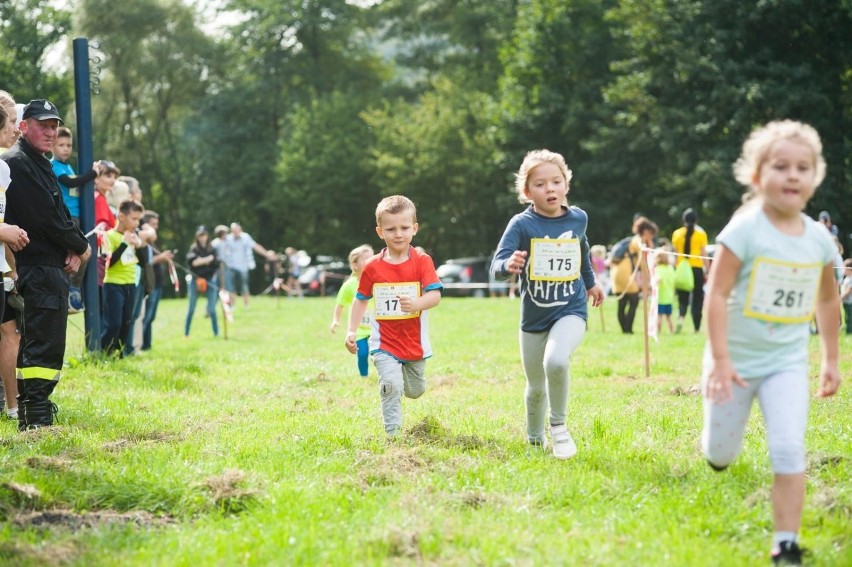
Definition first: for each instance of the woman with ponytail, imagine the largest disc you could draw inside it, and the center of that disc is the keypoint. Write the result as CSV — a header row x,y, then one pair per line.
x,y
691,241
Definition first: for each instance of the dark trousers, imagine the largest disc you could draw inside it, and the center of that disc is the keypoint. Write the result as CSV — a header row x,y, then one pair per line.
x,y
118,307
151,304
44,290
693,300
847,307
627,311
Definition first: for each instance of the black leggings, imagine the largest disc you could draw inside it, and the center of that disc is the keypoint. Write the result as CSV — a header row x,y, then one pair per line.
x,y
627,311
697,302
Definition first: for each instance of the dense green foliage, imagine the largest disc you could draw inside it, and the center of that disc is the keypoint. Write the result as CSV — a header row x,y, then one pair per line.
x,y
268,449
296,116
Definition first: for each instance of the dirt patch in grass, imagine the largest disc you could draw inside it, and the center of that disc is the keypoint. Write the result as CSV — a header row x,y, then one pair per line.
x,y
64,519
228,493
693,390
54,554
430,430
141,439
23,495
49,463
404,544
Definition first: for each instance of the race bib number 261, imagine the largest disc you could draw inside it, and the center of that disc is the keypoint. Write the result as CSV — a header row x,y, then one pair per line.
x,y
782,292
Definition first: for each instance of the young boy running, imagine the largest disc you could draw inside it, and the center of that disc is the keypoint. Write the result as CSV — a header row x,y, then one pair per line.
x,y
404,285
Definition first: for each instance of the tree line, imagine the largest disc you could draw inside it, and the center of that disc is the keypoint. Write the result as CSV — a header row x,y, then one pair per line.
x,y
299,115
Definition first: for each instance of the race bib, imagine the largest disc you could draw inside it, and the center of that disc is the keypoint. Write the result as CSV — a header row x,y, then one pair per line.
x,y
129,255
782,292
387,302
73,192
554,259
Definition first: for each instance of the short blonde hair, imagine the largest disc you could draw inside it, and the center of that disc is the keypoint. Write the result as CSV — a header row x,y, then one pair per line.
x,y
758,145
532,160
393,205
598,250
356,253
119,193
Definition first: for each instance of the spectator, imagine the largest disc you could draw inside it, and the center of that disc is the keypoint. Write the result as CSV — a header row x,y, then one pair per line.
x,y
239,248
120,278
203,264
294,270
825,220
57,247
690,241
623,266
159,261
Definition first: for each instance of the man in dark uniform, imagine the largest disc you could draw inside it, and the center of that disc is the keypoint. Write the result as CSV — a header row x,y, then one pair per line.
x,y
56,249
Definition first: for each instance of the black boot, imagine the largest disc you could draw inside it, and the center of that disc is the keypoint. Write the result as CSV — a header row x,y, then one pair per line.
x,y
34,406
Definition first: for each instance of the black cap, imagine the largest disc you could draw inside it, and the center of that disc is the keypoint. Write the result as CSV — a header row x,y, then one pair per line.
x,y
40,109
201,230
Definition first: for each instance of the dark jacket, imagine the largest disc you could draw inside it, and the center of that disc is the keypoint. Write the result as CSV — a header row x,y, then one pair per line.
x,y
34,203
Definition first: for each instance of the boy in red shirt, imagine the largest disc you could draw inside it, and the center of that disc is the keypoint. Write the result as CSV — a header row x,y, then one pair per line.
x,y
404,285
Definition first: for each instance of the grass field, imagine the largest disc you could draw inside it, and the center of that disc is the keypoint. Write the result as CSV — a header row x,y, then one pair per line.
x,y
268,449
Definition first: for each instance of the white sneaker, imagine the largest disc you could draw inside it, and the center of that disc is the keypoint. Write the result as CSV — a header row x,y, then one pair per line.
x,y
563,444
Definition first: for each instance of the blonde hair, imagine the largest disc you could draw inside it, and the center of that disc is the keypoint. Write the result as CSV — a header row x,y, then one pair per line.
x,y
6,99
534,159
120,192
662,256
758,145
393,205
4,116
598,250
356,253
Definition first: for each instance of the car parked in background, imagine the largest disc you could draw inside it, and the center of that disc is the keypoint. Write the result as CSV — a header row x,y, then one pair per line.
x,y
325,277
465,277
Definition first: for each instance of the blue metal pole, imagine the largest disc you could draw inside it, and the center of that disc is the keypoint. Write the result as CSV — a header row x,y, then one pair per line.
x,y
85,155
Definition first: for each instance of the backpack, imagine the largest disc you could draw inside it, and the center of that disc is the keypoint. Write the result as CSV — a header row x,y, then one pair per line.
x,y
621,249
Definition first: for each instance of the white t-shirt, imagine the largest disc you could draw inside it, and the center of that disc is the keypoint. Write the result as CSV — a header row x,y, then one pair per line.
x,y
771,304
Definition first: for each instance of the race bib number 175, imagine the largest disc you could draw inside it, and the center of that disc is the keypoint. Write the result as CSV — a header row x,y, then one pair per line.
x,y
554,259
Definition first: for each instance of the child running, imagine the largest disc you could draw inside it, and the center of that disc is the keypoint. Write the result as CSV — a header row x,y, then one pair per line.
x,y
771,270
404,285
346,295
665,275
546,246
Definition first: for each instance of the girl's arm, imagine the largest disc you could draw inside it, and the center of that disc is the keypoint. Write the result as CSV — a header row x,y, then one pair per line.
x,y
726,266
335,318
828,322
359,307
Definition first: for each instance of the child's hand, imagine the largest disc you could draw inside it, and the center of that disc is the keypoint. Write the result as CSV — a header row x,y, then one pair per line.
x,y
596,294
516,262
350,343
718,386
334,325
829,381
406,303
132,239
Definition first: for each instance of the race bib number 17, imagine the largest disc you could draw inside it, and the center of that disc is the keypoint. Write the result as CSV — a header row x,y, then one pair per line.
x,y
554,259
782,292
387,295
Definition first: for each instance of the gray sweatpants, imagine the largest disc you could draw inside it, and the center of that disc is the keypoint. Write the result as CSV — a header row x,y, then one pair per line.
x,y
546,357
397,378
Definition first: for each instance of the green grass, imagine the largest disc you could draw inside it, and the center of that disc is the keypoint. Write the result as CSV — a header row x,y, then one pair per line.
x,y
268,449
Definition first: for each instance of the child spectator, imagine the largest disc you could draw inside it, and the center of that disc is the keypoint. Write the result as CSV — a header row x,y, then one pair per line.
x,y
546,246
665,290
772,267
346,295
120,276
597,253
404,285
69,186
846,294
69,182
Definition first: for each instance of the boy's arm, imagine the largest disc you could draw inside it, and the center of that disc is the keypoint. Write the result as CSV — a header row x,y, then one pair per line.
x,y
79,180
828,322
426,301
